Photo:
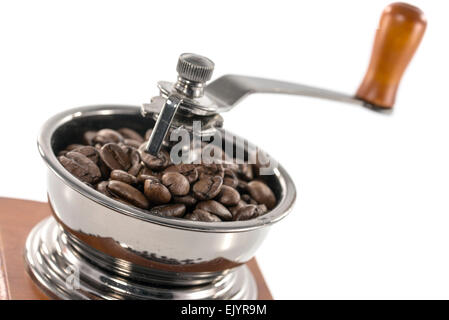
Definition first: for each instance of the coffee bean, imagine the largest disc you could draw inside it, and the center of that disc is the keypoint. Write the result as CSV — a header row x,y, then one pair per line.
x,y
114,162
148,172
247,198
176,183
230,178
170,210
262,209
210,170
135,169
148,134
103,188
88,137
128,193
191,216
203,215
134,157
187,170
156,192
236,208
73,146
207,188
114,157
89,152
260,192
234,167
154,163
126,149
123,176
215,208
105,136
246,171
128,133
228,196
132,143
247,212
242,186
188,200
136,165
81,167
144,177
105,171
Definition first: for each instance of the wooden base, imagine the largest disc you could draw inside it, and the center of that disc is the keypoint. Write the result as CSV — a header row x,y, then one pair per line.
x,y
17,218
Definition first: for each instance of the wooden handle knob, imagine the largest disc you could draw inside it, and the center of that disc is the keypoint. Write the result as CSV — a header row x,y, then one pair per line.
x,y
400,31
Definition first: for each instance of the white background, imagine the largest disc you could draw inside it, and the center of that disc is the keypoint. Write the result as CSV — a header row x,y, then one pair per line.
x,y
372,215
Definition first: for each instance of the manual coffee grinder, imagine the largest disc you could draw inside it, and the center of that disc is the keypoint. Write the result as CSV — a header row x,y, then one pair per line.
x,y
114,251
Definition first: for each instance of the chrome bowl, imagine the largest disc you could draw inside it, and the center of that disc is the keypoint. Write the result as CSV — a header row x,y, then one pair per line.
x,y
133,243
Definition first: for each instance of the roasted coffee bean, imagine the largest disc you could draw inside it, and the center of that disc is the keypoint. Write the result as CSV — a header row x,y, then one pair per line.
x,y
81,167
242,186
236,208
89,152
128,133
144,177
230,178
128,193
246,171
203,215
149,172
215,192
210,170
260,192
228,196
73,146
247,198
187,170
234,167
191,216
215,208
262,209
156,192
247,212
176,183
207,188
114,157
148,134
105,171
134,157
155,163
126,149
88,137
103,188
136,165
188,200
123,176
105,136
170,210
132,143
62,153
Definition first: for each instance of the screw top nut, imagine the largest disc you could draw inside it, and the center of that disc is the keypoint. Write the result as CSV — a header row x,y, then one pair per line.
x,y
194,67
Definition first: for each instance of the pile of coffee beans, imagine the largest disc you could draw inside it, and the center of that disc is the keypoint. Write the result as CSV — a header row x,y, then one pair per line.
x,y
114,163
